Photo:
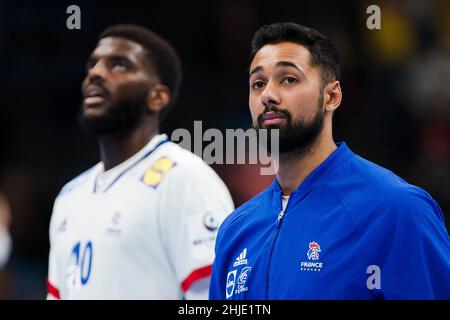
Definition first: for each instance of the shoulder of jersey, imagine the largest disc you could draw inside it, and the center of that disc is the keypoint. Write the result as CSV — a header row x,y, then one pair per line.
x,y
170,159
76,182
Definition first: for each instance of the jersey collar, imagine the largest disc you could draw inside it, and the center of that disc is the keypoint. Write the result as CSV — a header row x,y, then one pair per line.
x,y
103,180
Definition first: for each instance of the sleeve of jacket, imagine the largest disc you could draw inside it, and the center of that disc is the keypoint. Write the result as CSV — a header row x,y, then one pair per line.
x,y
417,261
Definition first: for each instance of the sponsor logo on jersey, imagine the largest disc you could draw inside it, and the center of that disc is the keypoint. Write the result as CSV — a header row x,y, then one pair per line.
x,y
242,279
115,224
241,259
199,241
210,222
116,218
231,282
155,174
313,264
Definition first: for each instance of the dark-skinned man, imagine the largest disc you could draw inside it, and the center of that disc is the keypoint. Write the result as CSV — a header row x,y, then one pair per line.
x,y
140,224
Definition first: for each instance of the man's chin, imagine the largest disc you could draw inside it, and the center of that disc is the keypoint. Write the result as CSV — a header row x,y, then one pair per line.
x,y
93,110
102,124
110,118
95,122
275,126
270,127
99,128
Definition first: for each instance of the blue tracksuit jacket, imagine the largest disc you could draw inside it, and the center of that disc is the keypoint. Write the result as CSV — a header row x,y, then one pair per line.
x,y
352,230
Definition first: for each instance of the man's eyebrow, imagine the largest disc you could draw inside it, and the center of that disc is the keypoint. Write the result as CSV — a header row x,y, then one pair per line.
x,y
116,57
279,64
255,70
287,64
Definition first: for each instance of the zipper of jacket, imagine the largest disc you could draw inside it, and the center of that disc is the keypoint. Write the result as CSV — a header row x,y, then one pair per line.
x,y
280,217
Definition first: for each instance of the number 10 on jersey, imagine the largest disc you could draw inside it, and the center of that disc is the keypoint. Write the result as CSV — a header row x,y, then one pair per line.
x,y
80,271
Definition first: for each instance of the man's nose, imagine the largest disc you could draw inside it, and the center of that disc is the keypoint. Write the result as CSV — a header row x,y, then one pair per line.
x,y
269,96
98,71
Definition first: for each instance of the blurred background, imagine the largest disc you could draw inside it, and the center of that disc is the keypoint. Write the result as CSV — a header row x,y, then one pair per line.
x,y
395,111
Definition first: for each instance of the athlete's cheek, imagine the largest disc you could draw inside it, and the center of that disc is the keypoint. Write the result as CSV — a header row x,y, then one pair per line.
x,y
254,114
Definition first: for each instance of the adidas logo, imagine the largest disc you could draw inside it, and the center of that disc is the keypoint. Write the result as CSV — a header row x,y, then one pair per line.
x,y
241,260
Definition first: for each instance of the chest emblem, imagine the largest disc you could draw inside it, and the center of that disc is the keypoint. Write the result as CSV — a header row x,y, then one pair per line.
x,y
313,264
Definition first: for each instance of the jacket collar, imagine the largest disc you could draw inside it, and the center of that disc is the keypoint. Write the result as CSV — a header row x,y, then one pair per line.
x,y
317,176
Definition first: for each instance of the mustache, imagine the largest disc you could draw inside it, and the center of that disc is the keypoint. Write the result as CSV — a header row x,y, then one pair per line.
x,y
272,108
97,86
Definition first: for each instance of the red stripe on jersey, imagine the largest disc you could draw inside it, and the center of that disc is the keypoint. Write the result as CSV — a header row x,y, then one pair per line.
x,y
195,276
52,290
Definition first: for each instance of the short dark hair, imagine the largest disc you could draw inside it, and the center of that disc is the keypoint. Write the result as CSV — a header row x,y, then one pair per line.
x,y
160,54
322,50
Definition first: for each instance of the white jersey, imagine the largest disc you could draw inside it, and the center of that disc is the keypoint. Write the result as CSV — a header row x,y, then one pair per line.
x,y
5,246
144,229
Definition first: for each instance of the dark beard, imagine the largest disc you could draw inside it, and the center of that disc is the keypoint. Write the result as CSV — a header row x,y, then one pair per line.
x,y
119,118
296,137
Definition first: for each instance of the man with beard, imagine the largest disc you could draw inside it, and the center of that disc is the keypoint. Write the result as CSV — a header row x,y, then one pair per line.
x,y
332,225
141,224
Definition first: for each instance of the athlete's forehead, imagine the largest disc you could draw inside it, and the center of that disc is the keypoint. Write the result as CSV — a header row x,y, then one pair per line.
x,y
119,47
284,54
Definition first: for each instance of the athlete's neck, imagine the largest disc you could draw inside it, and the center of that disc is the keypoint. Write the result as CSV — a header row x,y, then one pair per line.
x,y
294,168
115,149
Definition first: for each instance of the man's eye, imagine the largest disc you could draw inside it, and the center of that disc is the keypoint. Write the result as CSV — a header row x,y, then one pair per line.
x,y
120,67
89,66
290,80
257,85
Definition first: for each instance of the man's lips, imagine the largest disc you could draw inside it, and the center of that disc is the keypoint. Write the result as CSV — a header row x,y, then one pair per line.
x,y
94,94
93,100
273,118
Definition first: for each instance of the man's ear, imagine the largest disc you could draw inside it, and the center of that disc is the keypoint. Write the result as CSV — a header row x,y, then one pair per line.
x,y
158,98
332,96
